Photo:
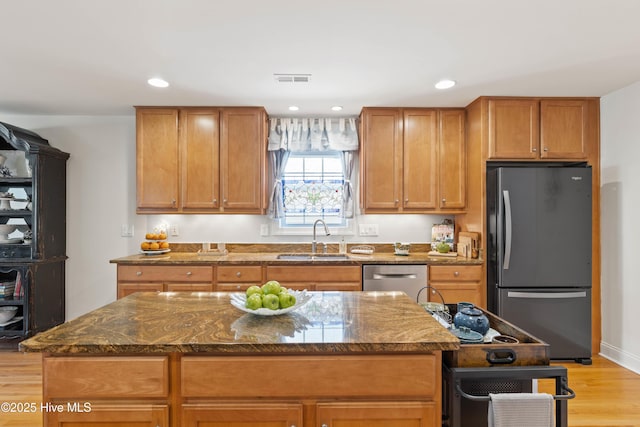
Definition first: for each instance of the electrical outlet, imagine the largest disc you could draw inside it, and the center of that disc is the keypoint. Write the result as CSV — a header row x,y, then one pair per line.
x,y
174,230
368,229
126,230
264,230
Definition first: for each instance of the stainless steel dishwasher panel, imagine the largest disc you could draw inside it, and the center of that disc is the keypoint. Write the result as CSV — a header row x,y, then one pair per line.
x,y
389,277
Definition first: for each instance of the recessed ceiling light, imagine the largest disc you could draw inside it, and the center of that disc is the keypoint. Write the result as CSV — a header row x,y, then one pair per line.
x,y
336,108
293,108
445,84
156,82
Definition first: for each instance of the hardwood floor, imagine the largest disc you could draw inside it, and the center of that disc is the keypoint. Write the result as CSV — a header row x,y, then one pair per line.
x,y
607,395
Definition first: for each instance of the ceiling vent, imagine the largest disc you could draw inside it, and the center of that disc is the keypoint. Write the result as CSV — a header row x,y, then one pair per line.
x,y
292,78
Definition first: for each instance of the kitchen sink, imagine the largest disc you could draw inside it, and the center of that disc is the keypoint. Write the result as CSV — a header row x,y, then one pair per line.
x,y
313,257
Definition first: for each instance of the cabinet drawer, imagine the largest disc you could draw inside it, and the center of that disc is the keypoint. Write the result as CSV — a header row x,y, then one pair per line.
x,y
104,415
106,377
455,273
239,273
313,274
310,376
153,273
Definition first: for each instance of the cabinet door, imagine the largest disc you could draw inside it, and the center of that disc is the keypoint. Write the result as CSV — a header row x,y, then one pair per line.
x,y
563,129
242,159
381,161
108,415
377,414
456,284
157,159
200,158
452,160
513,128
419,159
242,415
126,288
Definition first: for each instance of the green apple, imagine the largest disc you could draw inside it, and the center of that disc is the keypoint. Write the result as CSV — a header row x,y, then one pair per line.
x,y
271,301
287,300
443,247
254,302
254,289
271,287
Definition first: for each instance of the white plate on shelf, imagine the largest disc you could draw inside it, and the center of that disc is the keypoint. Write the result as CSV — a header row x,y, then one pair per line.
x,y
11,321
11,241
238,300
158,252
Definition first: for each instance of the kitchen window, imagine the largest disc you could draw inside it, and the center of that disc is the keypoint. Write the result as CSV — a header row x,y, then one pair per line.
x,y
312,188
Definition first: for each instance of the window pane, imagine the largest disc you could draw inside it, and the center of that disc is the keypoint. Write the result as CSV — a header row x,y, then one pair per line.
x,y
312,189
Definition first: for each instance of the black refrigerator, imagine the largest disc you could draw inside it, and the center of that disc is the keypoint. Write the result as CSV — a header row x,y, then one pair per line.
x,y
539,254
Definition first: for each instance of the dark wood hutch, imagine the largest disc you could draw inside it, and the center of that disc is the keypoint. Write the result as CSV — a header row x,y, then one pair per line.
x,y
33,255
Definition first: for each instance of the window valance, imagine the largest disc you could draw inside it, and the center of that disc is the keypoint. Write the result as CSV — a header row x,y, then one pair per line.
x,y
312,134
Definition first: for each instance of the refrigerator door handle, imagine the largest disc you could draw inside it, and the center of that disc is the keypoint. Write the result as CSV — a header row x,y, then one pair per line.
x,y
508,226
546,295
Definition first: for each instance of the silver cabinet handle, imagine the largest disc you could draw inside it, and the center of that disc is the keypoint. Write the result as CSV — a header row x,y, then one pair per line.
x,y
215,200
444,200
535,150
325,425
238,287
456,273
138,273
238,273
173,202
546,149
189,273
507,219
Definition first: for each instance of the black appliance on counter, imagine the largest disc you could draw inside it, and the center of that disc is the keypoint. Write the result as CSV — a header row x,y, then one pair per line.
x,y
539,253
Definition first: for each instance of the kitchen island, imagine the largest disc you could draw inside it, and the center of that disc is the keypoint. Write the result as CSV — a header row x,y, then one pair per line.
x,y
192,359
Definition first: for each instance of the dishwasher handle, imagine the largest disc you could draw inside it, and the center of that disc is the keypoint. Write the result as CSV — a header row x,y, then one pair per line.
x,y
378,276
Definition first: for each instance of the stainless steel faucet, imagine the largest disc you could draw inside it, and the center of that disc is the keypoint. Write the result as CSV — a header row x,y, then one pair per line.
x,y
314,243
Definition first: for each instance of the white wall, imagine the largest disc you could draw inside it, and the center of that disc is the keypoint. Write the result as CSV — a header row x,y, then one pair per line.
x,y
620,206
101,197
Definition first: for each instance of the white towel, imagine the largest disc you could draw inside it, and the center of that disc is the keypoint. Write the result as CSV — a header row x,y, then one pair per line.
x,y
520,410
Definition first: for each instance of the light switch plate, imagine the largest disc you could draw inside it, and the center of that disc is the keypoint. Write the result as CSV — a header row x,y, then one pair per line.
x,y
126,230
368,229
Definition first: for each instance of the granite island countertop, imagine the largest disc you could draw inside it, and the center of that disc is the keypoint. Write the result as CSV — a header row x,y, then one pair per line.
x,y
206,322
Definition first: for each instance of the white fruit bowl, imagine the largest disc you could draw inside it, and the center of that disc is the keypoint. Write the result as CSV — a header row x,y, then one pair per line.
x,y
238,300
6,229
7,313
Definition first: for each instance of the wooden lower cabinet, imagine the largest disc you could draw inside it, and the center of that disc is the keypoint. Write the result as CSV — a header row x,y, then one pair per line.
x,y
156,278
242,415
375,414
237,278
110,415
457,283
200,390
322,278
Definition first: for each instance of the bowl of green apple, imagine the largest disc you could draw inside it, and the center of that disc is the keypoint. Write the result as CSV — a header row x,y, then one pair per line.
x,y
270,299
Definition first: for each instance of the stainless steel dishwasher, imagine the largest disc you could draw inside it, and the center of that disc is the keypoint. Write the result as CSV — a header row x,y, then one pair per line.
x,y
405,278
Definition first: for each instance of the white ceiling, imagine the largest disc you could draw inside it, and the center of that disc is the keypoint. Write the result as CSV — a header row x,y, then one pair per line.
x,y
93,57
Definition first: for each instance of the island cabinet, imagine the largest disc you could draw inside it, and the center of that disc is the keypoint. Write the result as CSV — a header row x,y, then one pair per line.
x,y
317,278
457,283
200,160
124,391
538,129
315,390
413,160
156,278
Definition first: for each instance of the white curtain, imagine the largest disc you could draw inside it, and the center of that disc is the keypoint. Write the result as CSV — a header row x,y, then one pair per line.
x,y
311,135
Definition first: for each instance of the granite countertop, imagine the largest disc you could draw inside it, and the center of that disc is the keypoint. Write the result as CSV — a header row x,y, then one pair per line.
x,y
167,322
267,254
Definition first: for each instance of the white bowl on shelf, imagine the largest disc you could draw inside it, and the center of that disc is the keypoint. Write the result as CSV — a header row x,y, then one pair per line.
x,y
7,312
6,229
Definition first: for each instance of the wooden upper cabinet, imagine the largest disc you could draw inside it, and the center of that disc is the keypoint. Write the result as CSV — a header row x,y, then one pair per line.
x,y
381,159
201,160
563,129
200,154
513,129
242,159
452,160
420,152
157,158
413,160
534,129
